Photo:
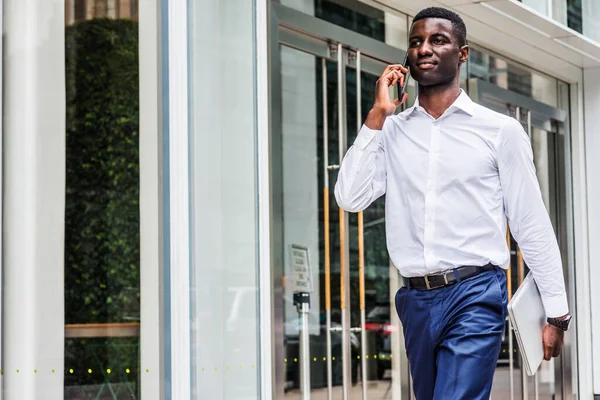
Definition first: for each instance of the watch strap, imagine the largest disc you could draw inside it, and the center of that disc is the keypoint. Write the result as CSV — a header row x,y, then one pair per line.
x,y
560,323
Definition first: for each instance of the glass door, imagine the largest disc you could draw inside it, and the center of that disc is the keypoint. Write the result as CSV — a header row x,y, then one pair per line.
x,y
323,89
547,127
323,81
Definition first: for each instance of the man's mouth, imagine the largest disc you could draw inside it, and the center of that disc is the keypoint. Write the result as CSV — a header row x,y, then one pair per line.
x,y
425,64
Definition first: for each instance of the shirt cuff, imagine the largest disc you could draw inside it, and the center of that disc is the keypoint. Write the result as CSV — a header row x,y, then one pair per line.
x,y
555,306
368,139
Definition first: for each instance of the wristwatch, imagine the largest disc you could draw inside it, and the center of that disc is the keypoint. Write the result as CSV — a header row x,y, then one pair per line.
x,y
560,323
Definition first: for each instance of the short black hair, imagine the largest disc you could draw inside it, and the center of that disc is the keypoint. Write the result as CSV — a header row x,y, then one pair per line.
x,y
460,29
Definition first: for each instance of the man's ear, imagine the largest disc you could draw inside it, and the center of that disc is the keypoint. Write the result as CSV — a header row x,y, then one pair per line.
x,y
464,54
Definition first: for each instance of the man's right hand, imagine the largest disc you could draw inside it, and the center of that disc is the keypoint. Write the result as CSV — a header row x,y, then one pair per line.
x,y
384,106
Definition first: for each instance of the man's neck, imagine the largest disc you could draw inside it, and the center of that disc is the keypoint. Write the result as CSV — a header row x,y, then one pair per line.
x,y
436,99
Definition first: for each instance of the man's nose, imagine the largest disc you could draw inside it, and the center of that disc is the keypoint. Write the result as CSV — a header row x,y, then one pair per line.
x,y
425,49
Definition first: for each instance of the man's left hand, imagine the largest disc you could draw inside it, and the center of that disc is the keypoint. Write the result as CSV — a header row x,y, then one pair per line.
x,y
552,337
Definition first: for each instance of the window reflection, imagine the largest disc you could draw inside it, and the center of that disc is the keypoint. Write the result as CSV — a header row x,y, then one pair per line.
x,y
81,10
350,14
509,75
574,16
102,250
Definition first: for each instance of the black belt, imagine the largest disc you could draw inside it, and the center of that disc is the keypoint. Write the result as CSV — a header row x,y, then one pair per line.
x,y
446,278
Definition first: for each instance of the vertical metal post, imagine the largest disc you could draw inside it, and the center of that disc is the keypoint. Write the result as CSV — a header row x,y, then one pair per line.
x,y
521,273
305,354
529,130
536,382
524,378
361,250
511,346
302,302
326,228
344,239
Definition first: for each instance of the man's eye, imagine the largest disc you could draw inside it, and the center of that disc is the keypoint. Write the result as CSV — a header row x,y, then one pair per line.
x,y
438,41
414,43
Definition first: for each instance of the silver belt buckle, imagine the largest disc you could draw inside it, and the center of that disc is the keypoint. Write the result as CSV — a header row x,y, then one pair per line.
x,y
428,285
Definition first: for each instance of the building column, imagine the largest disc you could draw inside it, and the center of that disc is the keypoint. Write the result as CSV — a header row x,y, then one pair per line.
x,y
34,199
592,149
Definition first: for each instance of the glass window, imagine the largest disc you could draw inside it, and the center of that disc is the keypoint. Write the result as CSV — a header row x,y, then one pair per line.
x,y
102,227
509,75
355,16
574,16
582,16
540,6
591,19
224,315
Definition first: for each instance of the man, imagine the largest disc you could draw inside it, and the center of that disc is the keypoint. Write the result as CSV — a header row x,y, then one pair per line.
x,y
453,172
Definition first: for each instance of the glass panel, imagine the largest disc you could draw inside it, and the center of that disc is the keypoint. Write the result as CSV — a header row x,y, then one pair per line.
x,y
574,16
509,75
358,17
549,164
379,306
304,212
223,190
559,11
591,19
540,6
102,250
353,15
544,144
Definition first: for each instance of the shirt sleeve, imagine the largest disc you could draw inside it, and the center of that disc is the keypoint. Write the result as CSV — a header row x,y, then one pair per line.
x,y
362,176
528,218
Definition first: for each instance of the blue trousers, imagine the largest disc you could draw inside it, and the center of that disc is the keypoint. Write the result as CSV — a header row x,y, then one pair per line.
x,y
453,336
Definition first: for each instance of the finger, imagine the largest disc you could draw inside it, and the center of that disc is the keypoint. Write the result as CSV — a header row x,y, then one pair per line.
x,y
394,67
397,102
557,350
397,77
548,351
390,78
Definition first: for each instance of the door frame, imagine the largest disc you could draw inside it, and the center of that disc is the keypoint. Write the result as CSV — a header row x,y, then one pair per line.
x,y
309,34
497,99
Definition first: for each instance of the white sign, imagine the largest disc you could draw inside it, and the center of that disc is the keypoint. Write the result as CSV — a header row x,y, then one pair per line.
x,y
300,279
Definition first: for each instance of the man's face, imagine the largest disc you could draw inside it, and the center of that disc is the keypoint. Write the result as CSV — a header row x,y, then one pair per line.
x,y
434,53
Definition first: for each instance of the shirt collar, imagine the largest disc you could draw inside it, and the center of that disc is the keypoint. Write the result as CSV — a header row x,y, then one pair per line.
x,y
463,102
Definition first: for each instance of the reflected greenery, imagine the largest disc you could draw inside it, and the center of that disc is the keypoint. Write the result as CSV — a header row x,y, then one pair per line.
x,y
102,225
102,250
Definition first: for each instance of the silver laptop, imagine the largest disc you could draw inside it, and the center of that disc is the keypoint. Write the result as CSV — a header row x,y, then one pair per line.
x,y
528,318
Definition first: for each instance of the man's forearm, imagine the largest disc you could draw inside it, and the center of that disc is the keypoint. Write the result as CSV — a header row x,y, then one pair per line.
x,y
375,119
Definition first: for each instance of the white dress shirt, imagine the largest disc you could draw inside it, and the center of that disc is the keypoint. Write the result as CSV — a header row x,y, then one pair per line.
x,y
450,185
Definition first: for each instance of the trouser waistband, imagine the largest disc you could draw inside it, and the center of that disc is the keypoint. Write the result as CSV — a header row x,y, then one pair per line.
x,y
447,278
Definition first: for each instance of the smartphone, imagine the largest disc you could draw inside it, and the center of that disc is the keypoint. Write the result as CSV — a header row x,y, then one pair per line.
x,y
402,89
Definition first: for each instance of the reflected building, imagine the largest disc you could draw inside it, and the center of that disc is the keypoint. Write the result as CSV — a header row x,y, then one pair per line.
x,y
81,10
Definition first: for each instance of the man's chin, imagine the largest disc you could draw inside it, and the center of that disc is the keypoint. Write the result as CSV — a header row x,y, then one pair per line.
x,y
425,82
431,80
